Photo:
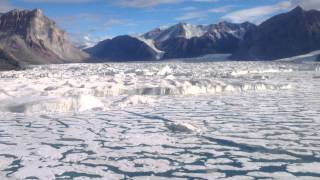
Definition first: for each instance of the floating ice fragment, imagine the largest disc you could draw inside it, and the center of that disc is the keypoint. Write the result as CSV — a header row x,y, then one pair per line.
x,y
182,127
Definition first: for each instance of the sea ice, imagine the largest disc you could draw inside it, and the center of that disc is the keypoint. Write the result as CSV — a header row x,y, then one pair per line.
x,y
210,120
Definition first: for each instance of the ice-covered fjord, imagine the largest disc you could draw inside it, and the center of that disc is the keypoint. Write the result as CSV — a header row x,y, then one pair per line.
x,y
218,120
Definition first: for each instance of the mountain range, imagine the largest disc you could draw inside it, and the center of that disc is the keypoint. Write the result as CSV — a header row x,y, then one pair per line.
x,y
178,41
29,37
285,35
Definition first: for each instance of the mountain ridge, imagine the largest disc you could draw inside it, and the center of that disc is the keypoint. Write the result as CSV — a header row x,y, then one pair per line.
x,y
181,40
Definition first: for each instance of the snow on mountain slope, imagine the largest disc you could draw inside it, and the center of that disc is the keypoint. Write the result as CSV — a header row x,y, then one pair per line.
x,y
184,30
189,31
237,30
193,31
151,44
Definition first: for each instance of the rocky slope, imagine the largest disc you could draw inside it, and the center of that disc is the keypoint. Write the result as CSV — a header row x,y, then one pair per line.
x,y
9,62
290,34
29,37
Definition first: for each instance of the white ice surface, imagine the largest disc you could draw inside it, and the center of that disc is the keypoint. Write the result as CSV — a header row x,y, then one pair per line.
x,y
233,120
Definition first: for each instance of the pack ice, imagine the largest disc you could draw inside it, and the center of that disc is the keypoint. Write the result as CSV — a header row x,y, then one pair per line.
x,y
210,120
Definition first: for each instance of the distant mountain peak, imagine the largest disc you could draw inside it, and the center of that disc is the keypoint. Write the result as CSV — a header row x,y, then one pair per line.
x,y
298,9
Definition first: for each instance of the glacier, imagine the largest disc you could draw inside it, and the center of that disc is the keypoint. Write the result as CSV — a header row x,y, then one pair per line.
x,y
159,120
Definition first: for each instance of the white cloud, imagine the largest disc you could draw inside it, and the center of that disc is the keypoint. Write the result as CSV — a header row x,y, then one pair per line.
x,y
153,3
200,14
257,14
222,9
87,41
144,3
59,1
205,0
192,15
113,21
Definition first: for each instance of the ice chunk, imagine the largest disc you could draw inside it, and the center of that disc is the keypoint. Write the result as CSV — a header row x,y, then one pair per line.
x,y
166,70
182,127
64,104
88,102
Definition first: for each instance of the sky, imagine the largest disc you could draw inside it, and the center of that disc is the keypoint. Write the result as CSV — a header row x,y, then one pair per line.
x,y
90,21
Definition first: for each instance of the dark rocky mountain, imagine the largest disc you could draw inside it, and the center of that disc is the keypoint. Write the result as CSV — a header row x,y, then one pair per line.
x,y
294,33
197,46
29,37
122,48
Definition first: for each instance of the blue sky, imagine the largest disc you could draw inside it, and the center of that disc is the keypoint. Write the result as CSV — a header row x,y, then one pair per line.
x,y
89,21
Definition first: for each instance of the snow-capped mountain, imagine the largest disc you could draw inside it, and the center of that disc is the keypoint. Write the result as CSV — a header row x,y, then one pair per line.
x,y
182,30
188,31
182,41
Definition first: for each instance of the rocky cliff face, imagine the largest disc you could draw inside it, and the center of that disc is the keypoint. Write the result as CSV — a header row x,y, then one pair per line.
x,y
285,35
32,38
